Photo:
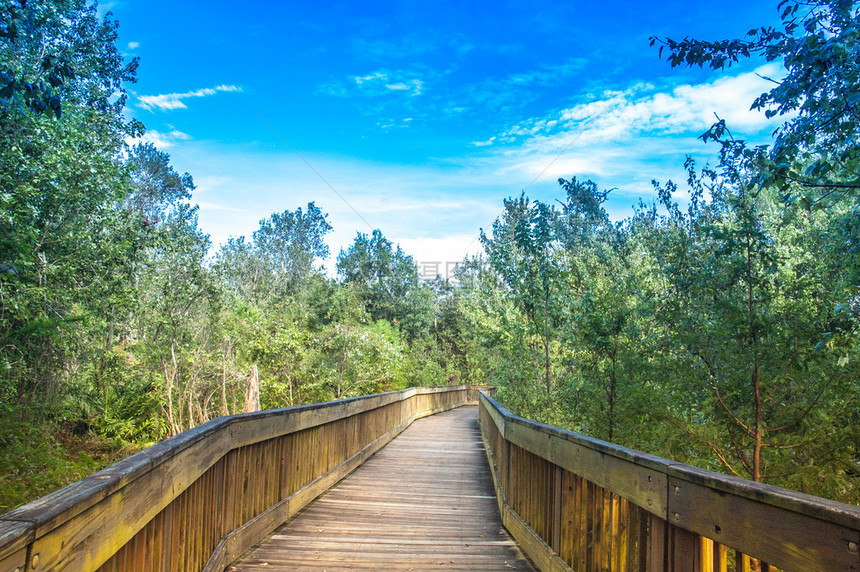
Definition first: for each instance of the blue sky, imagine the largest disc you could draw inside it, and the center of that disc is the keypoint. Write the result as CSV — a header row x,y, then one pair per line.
x,y
418,118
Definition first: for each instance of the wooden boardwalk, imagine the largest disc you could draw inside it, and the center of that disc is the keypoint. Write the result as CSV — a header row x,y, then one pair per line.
x,y
424,502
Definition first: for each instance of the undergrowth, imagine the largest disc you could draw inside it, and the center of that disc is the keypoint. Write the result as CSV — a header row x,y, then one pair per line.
x,y
39,458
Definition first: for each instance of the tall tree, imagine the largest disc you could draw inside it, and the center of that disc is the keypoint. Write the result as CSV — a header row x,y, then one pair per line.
x,y
522,250
273,267
291,241
746,303
155,186
179,303
816,152
62,175
57,54
387,280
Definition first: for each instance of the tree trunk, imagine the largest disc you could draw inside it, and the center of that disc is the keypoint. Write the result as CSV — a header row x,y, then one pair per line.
x,y
755,378
547,380
252,392
224,410
169,379
612,389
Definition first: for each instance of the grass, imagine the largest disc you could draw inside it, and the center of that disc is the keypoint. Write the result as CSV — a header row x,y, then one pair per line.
x,y
36,459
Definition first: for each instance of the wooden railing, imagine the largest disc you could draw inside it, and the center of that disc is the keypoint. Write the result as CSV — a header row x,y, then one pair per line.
x,y
200,499
578,503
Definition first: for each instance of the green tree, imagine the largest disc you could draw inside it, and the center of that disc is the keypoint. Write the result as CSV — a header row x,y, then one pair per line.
x,y
280,258
273,303
63,234
349,359
523,252
748,297
59,51
155,186
499,341
179,302
815,151
386,278
605,307
291,241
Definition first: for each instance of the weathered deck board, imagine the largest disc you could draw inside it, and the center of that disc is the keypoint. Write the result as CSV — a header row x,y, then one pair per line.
x,y
425,501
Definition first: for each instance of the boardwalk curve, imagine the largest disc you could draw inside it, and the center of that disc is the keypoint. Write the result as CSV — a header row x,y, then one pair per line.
x,y
424,502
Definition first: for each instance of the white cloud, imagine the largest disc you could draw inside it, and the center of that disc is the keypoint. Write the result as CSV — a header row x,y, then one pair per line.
x,y
622,138
548,74
626,137
133,45
381,76
417,207
406,47
211,183
409,201
333,89
553,167
170,101
642,110
463,49
486,143
518,89
377,83
412,86
389,124
160,140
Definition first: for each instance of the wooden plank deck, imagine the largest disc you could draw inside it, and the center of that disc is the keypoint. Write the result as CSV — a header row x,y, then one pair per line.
x,y
424,502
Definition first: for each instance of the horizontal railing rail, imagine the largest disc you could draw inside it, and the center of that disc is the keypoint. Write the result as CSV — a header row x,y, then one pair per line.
x,y
198,500
577,503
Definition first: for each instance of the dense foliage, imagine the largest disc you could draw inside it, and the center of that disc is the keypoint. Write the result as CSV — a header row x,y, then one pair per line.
x,y
815,153
718,331
705,334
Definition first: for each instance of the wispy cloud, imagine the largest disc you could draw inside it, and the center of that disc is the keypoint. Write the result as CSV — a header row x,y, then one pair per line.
x,y
414,86
159,139
384,50
370,78
622,138
389,124
626,137
377,83
486,143
643,110
412,46
518,89
381,82
547,74
171,101
133,45
462,48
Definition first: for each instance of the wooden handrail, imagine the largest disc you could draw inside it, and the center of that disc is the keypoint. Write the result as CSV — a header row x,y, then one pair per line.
x,y
198,500
577,503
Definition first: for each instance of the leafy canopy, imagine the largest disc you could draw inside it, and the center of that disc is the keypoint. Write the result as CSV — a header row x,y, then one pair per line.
x,y
816,148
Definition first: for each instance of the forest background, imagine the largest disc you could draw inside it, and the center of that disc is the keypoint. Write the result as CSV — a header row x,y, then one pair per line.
x,y
720,333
